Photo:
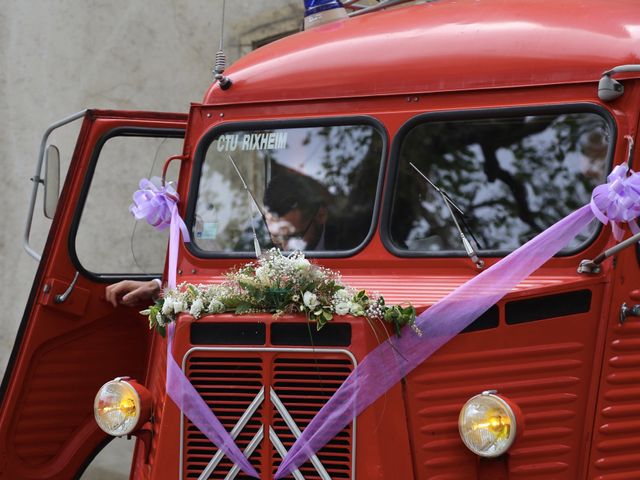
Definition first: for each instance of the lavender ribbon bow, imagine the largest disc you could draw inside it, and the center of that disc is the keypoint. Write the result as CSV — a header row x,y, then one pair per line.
x,y
616,201
158,205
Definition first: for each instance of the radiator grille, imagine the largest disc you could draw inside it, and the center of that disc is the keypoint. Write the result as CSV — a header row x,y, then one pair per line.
x,y
304,386
287,389
228,385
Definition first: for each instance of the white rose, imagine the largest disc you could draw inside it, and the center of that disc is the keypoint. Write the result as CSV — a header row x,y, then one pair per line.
x,y
301,263
167,306
310,300
178,306
342,308
262,274
342,296
196,308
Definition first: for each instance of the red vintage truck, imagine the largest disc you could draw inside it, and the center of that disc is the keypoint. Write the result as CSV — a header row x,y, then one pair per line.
x,y
515,110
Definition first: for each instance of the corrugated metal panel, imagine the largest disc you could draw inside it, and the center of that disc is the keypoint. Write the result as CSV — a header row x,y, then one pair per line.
x,y
616,444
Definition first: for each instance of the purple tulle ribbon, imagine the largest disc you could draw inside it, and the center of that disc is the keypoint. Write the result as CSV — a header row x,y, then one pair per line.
x,y
158,205
616,201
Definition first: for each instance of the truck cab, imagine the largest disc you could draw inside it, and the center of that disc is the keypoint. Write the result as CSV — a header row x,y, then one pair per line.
x,y
503,107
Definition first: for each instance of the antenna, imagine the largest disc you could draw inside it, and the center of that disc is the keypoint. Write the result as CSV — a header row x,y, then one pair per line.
x,y
221,58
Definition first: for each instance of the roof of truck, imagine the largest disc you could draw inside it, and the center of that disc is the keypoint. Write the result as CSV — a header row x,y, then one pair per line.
x,y
445,45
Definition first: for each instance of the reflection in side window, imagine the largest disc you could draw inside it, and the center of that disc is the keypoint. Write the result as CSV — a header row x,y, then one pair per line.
x,y
512,177
310,189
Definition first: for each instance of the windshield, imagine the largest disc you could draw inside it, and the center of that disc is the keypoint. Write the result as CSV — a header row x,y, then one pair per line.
x,y
306,188
512,177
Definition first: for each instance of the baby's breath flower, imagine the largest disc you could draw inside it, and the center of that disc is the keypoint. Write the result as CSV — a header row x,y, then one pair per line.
x,y
196,308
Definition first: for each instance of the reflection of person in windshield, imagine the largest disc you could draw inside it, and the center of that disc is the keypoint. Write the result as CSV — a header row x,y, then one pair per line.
x,y
296,212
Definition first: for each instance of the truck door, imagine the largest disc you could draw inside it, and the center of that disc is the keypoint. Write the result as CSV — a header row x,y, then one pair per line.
x,y
67,348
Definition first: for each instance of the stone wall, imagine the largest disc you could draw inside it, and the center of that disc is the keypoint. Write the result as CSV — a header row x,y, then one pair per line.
x,y
57,58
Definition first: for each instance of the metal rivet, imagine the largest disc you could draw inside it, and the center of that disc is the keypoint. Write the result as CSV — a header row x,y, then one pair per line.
x,y
46,288
193,270
222,114
179,272
208,115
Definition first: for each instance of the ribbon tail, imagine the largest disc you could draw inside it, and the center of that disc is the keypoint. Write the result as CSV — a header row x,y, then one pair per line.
x,y
617,230
191,404
177,226
384,366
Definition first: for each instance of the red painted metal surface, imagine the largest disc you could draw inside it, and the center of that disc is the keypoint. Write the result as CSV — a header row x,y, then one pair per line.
x,y
302,380
615,451
69,350
439,47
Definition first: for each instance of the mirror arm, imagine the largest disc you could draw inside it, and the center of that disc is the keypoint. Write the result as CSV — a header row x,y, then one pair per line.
x,y
37,180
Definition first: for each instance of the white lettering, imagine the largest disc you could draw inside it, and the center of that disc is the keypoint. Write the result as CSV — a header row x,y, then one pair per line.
x,y
254,141
281,141
232,142
255,138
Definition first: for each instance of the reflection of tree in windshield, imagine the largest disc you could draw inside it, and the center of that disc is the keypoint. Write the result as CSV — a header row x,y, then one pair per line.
x,y
342,161
350,168
513,177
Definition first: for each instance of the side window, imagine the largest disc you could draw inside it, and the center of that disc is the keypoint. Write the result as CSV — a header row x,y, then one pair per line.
x,y
108,240
511,176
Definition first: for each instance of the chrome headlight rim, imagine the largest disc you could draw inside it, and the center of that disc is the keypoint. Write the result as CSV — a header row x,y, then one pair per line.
x,y
129,384
514,418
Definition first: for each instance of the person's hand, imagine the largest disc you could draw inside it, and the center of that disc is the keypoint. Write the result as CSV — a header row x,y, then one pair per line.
x,y
132,292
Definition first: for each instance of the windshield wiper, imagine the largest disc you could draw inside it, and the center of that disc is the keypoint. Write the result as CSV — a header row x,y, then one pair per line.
x,y
471,253
256,243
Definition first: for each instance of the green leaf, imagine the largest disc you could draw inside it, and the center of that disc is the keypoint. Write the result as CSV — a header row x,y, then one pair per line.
x,y
193,290
327,315
161,330
242,309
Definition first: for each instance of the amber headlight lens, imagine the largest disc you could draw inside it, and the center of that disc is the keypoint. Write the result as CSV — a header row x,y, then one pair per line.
x,y
118,408
487,425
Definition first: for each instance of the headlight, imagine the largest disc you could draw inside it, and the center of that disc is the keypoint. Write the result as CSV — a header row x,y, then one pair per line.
x,y
487,425
121,406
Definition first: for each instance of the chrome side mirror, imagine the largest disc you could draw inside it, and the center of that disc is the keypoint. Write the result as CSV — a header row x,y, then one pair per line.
x,y
51,180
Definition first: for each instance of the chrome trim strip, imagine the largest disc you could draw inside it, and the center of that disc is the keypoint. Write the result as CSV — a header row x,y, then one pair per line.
x,y
296,431
253,444
273,436
272,350
242,422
